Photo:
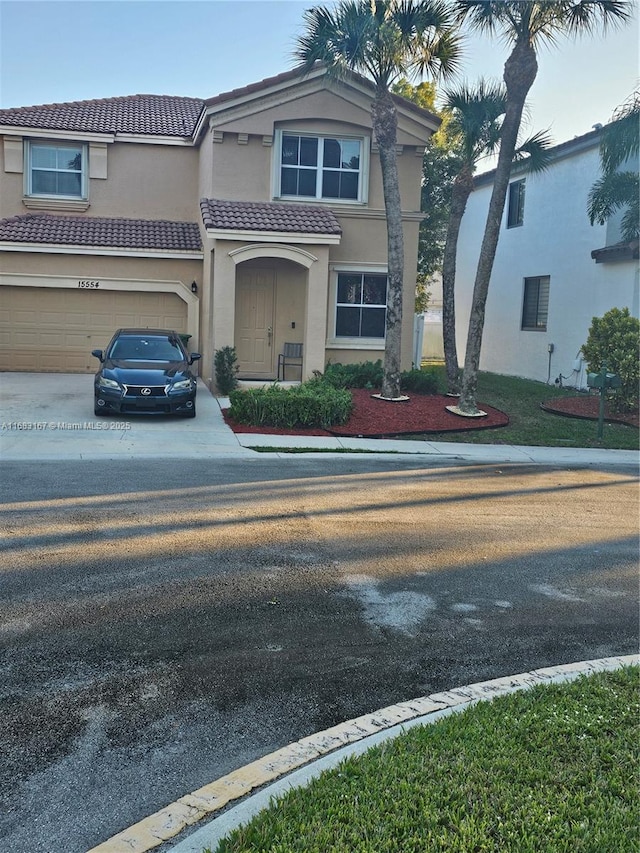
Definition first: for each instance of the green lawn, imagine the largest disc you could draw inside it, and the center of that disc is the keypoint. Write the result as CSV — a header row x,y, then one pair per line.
x,y
548,770
530,425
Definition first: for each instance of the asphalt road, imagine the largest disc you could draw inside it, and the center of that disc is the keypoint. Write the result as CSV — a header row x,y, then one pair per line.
x,y
162,623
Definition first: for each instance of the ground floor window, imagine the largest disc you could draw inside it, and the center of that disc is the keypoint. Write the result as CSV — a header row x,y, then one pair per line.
x,y
535,305
361,305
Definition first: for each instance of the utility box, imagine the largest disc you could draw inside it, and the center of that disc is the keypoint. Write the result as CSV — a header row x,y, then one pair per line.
x,y
603,380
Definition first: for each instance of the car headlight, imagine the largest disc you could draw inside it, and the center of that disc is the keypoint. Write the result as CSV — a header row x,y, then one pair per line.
x,y
182,385
103,382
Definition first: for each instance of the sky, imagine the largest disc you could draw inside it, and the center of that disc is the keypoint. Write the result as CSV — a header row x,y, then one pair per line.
x,y
68,50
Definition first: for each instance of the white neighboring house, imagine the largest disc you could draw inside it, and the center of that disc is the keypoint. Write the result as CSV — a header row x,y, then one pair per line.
x,y
553,271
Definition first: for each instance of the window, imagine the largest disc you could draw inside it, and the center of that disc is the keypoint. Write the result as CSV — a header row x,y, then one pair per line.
x,y
321,167
57,169
535,306
361,305
515,210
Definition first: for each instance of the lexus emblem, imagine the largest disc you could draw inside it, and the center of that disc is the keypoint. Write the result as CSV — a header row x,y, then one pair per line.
x,y
145,392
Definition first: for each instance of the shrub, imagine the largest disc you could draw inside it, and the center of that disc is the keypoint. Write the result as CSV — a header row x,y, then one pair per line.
x,y
615,338
366,374
420,381
226,365
312,404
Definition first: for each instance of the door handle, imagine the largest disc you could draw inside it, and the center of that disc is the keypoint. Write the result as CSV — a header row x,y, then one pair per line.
x,y
269,335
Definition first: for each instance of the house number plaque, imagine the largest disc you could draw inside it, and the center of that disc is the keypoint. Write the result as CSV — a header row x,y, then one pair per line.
x,y
86,282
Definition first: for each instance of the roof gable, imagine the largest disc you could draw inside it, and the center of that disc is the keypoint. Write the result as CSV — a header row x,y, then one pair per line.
x,y
234,110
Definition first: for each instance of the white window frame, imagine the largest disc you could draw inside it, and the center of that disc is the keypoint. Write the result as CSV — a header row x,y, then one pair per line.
x,y
333,341
48,143
363,172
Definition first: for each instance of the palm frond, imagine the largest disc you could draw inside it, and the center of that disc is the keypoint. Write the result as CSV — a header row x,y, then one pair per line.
x,y
620,139
535,152
384,40
613,192
543,20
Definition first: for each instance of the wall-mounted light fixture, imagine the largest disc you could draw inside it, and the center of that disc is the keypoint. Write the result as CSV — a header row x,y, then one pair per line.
x,y
194,287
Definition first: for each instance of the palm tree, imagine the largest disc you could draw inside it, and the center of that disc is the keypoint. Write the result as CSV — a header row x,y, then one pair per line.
x,y
618,189
525,25
384,40
474,129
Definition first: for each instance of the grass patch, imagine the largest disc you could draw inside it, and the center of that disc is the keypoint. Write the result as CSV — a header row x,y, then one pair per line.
x,y
551,769
529,424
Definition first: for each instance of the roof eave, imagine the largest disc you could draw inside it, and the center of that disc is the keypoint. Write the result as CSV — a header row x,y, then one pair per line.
x,y
274,236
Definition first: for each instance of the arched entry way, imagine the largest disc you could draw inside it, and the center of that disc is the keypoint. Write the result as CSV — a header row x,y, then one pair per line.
x,y
272,308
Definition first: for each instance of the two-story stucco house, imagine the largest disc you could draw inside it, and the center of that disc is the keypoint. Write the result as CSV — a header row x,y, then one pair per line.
x,y
252,219
553,271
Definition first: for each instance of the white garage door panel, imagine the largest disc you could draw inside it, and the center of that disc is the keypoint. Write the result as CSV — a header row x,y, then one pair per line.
x,y
54,330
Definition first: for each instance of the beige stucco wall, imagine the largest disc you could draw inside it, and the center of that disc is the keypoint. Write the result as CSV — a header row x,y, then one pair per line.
x,y
148,182
95,266
243,171
143,182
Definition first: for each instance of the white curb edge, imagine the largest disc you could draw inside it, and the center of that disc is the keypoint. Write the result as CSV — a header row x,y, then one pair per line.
x,y
332,745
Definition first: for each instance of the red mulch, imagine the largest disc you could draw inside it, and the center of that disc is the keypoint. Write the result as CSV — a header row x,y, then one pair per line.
x,y
588,406
373,418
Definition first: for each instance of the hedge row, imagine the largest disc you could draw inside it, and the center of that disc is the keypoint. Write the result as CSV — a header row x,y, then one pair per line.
x,y
313,404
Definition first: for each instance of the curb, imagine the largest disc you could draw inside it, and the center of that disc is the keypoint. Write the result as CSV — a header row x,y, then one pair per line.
x,y
205,802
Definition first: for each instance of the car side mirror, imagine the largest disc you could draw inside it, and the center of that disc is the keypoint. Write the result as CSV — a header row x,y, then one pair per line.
x,y
97,353
195,356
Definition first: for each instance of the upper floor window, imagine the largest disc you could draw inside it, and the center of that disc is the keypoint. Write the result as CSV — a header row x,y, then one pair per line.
x,y
535,305
321,167
361,305
515,208
56,169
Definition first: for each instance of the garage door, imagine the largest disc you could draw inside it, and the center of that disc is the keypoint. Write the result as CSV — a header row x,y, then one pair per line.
x,y
53,330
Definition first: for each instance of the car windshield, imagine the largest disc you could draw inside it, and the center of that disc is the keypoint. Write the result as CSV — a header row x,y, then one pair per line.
x,y
146,349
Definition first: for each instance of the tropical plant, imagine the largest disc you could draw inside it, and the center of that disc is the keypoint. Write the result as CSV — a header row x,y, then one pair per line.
x,y
384,40
618,189
525,25
474,129
225,362
614,340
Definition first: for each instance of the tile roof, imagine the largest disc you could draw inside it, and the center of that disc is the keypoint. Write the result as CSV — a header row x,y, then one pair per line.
x,y
155,115
94,231
268,216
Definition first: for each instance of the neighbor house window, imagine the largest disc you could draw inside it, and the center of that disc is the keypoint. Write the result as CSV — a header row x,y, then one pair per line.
x,y
361,305
515,209
57,169
535,306
321,167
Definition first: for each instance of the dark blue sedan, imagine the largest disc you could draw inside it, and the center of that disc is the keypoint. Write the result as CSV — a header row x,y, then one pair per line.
x,y
145,371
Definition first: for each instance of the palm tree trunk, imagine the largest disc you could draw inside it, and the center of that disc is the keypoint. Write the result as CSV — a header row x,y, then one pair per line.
x,y
462,188
519,74
385,127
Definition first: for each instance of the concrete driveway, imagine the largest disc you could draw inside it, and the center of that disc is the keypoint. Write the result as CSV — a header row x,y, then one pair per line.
x,y
50,416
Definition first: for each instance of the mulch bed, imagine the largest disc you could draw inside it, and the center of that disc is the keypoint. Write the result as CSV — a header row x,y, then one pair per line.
x,y
587,406
373,418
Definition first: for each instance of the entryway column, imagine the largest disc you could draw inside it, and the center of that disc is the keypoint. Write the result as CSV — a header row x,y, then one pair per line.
x,y
223,303
315,332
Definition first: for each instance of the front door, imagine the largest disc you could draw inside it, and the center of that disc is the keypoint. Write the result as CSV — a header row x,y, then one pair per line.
x,y
254,322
